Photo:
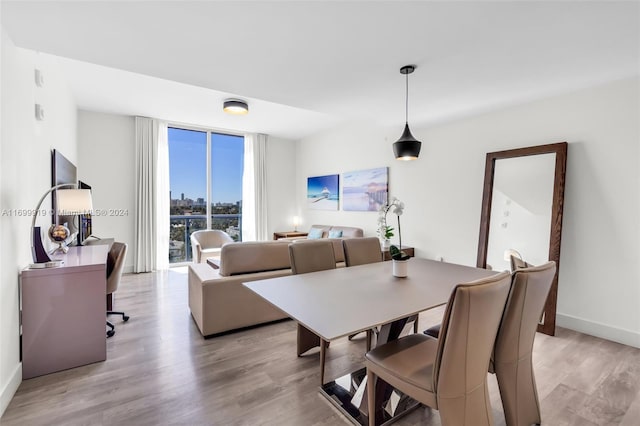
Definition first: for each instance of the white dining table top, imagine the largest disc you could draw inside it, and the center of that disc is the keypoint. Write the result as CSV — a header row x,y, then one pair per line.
x,y
343,301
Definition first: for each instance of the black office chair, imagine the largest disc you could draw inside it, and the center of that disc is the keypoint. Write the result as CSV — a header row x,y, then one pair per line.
x,y
115,265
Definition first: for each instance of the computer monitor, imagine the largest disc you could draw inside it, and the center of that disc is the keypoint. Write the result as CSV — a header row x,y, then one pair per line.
x,y
84,220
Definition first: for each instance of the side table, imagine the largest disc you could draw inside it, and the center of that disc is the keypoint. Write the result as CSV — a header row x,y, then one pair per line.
x,y
409,250
289,234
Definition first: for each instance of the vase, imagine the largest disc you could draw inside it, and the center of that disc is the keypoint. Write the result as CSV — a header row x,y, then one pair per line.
x,y
400,268
385,244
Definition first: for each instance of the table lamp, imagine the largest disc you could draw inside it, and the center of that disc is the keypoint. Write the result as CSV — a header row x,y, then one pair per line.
x,y
296,222
68,202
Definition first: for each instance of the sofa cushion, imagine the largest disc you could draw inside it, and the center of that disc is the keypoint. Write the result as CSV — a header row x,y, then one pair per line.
x,y
335,233
348,231
314,233
249,256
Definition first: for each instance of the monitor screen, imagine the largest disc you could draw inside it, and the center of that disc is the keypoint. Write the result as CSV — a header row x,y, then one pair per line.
x,y
84,219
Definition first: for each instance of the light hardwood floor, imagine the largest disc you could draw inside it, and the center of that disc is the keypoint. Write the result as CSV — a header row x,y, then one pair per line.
x,y
160,371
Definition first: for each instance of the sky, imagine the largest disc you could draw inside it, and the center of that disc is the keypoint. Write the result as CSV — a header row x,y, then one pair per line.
x,y
188,165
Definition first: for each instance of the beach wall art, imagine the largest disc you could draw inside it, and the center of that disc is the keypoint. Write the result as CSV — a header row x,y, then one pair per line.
x,y
323,192
365,190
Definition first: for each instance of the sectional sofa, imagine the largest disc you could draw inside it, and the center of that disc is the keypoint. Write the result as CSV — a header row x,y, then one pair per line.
x,y
217,299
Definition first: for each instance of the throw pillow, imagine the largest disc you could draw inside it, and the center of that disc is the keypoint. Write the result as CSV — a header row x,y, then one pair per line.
x,y
314,233
335,234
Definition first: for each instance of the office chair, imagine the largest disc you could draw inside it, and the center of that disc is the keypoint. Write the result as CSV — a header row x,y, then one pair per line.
x,y
115,265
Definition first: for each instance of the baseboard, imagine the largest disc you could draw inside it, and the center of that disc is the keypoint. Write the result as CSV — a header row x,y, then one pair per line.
x,y
10,388
604,331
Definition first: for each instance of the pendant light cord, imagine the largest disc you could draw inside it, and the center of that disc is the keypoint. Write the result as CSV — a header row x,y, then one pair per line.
x,y
406,104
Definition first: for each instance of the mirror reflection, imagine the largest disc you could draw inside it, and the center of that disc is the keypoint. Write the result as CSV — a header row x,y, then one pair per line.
x,y
522,201
521,210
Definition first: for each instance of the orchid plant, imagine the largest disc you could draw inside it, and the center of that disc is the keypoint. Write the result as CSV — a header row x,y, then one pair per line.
x,y
384,230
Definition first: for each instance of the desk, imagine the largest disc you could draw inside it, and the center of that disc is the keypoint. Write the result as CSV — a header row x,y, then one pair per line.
x,y
63,312
345,301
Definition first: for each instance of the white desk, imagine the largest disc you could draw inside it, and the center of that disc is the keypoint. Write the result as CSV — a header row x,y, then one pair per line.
x,y
64,312
344,301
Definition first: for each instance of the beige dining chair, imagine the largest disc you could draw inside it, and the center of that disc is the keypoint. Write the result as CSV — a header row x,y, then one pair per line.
x,y
512,357
361,251
449,373
311,256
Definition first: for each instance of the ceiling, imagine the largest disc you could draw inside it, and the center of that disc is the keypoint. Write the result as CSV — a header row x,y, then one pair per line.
x,y
305,66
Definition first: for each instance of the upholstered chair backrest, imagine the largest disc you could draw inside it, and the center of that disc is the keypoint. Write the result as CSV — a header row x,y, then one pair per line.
x,y
360,251
529,291
115,265
468,333
311,256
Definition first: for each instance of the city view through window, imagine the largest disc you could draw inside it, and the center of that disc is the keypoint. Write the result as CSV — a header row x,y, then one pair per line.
x,y
192,208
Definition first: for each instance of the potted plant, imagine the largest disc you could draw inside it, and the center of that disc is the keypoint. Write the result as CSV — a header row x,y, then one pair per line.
x,y
385,232
399,257
400,261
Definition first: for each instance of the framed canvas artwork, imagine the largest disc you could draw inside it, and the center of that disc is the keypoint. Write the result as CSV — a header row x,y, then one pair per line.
x,y
365,190
322,192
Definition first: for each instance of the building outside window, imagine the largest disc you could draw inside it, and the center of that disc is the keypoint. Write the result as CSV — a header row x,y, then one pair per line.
x,y
205,176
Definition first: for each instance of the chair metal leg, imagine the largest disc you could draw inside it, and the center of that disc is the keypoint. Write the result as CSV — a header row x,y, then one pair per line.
x,y
125,317
111,332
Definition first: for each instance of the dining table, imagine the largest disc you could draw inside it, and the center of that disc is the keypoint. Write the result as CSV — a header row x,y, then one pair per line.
x,y
344,301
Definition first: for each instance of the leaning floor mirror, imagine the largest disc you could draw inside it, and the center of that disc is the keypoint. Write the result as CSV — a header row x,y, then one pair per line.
x,y
521,215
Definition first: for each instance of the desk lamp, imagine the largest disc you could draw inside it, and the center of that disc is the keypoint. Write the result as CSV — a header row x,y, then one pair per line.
x,y
68,202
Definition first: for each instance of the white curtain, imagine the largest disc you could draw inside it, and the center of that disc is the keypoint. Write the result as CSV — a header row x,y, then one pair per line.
x,y
254,189
152,195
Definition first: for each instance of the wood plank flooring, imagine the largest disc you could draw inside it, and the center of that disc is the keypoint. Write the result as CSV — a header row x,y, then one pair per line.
x,y
160,371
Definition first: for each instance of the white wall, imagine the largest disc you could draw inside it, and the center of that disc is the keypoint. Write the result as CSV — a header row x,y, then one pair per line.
x,y
106,162
599,291
25,174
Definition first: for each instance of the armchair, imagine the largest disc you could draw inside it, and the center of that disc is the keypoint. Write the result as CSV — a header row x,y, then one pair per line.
x,y
208,243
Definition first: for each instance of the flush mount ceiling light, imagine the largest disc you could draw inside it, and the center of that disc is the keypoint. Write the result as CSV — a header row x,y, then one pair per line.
x,y
407,147
235,106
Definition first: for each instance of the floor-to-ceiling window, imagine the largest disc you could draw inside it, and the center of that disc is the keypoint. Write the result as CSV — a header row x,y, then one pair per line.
x,y
205,176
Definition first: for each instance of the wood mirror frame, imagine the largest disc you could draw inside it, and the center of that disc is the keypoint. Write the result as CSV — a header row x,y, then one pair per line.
x,y
548,325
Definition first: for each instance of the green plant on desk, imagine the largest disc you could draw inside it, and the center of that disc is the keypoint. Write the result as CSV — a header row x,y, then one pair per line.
x,y
397,254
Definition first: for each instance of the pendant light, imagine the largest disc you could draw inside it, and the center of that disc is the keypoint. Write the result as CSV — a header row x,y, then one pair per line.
x,y
407,147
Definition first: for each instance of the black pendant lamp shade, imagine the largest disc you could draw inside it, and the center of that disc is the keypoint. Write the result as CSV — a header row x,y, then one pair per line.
x,y
407,147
